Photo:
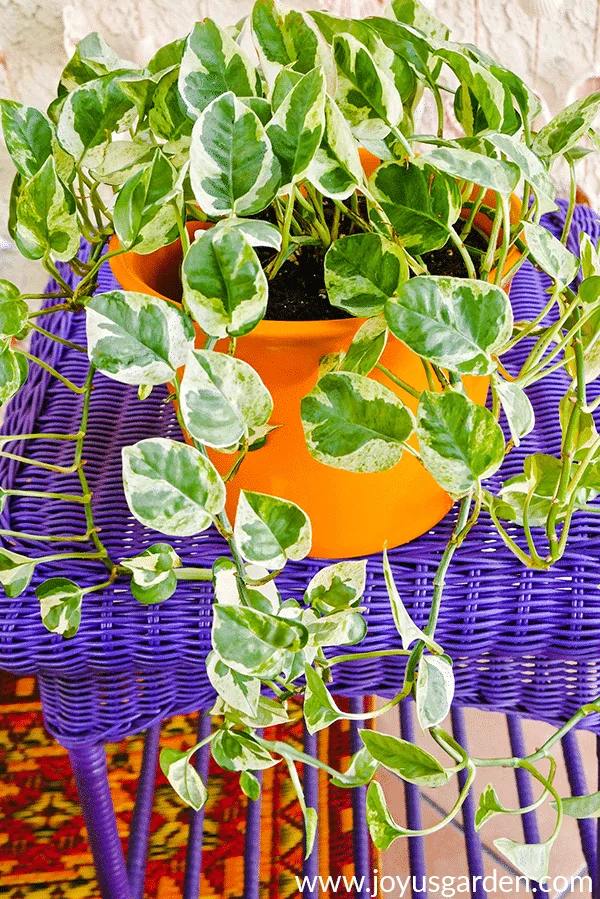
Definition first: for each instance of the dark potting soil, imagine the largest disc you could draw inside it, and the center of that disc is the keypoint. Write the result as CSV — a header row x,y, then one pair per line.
x,y
297,293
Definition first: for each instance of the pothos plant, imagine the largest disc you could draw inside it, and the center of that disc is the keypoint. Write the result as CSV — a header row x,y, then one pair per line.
x,y
268,152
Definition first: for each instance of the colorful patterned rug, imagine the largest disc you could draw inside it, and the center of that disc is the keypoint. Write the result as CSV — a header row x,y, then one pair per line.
x,y
44,852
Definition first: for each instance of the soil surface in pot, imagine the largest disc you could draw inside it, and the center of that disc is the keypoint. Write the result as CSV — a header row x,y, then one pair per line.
x,y
297,293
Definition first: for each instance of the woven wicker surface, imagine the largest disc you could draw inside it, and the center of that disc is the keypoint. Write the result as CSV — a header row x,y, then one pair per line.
x,y
521,640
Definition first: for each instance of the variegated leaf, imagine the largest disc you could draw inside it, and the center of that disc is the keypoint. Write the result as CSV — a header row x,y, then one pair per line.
x,y
269,530
453,322
296,129
255,643
92,59
167,116
171,487
238,690
550,254
338,586
368,99
565,129
288,38
406,627
28,135
479,81
153,579
232,165
482,170
46,222
256,232
10,374
460,442
123,158
532,168
16,572
336,170
145,213
90,115
367,345
224,284
60,605
434,690
183,777
135,338
517,408
355,423
213,64
362,271
222,399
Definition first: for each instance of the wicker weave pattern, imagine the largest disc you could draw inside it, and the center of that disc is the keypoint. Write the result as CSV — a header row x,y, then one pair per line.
x,y
522,640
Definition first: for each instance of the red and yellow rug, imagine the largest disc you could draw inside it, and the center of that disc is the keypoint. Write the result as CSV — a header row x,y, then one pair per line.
x,y
44,852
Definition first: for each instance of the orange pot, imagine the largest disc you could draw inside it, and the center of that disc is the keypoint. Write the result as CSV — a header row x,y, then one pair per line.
x,y
352,514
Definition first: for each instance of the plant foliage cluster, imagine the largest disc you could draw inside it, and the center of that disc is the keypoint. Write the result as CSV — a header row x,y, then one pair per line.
x,y
269,154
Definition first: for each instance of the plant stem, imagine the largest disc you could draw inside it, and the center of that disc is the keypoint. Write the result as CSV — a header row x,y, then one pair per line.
x,y
193,574
41,494
463,252
572,201
50,370
398,381
458,535
285,234
503,256
376,654
57,339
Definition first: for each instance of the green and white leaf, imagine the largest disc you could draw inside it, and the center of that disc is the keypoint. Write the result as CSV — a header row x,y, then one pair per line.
x,y
255,643
360,771
153,578
368,99
167,117
256,232
123,158
13,310
224,283
183,777
532,168
60,605
46,223
382,827
310,814
28,135
343,628
489,805
482,170
238,690
264,597
531,859
16,572
408,630
434,690
269,530
234,750
367,346
460,442
362,271
456,323
93,58
296,129
355,423
550,254
517,408
232,165
136,338
336,170
148,205
171,487
223,399
478,80
213,64
250,785
565,129
338,586
320,709
405,759
581,806
90,115
10,373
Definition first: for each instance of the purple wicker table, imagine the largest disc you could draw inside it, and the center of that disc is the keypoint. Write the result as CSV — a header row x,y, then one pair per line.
x,y
524,643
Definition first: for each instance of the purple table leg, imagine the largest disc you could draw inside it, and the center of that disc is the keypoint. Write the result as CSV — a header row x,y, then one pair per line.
x,y
310,782
578,784
412,794
472,838
360,834
91,777
252,847
137,851
531,830
193,858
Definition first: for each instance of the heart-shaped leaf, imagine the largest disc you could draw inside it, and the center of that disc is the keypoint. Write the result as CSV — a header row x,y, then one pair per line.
x,y
234,750
517,408
489,805
222,399
90,115
250,785
46,223
482,170
533,169
183,777
153,578
550,254
434,690
341,628
60,605
354,423
252,642
213,64
382,827
456,323
360,771
296,129
167,116
16,572
269,530
368,99
531,859
148,205
232,165
171,487
362,271
565,129
336,170
28,135
366,348
338,586
460,442
92,58
123,158
11,378
13,310
136,338
238,690
319,708
408,761
224,283
581,806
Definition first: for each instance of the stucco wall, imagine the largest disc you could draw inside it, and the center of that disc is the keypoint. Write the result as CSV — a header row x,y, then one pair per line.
x,y
554,44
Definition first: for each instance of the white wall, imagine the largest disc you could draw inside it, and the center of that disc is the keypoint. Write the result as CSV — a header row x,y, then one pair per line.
x,y
554,45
